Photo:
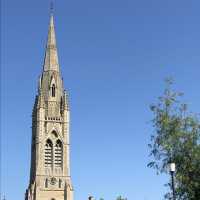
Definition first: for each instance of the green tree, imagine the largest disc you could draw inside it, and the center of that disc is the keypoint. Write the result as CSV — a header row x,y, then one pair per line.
x,y
120,198
176,137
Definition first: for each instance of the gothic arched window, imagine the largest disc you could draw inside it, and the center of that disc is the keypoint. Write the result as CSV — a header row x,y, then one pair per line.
x,y
48,153
58,154
53,90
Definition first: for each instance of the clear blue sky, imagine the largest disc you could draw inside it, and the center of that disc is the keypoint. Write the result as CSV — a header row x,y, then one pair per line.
x,y
114,56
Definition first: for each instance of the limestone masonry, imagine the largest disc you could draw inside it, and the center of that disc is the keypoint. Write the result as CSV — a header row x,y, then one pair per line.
x,y
50,162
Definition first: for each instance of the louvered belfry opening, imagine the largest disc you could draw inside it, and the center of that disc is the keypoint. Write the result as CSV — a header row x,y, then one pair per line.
x,y
58,154
48,153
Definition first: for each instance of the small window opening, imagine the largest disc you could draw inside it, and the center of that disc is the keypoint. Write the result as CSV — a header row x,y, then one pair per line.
x,y
60,183
46,183
54,133
53,90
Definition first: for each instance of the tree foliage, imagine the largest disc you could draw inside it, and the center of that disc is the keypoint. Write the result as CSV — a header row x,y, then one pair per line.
x,y
120,198
176,138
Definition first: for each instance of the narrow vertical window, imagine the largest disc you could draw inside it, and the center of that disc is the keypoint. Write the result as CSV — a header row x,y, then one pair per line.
x,y
58,154
60,183
48,154
53,90
46,183
61,105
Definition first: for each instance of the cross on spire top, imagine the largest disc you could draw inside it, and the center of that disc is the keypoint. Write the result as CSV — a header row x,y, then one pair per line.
x,y
51,6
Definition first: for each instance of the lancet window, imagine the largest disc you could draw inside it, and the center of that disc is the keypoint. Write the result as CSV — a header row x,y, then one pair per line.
x,y
48,153
58,154
53,90
60,183
46,183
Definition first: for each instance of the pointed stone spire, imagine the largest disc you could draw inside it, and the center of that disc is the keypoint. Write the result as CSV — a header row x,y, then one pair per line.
x,y
51,55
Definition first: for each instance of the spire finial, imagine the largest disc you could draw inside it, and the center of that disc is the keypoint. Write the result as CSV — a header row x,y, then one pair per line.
x,y
51,7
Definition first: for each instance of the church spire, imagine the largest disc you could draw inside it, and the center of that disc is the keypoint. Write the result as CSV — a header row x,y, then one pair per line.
x,y
51,55
50,150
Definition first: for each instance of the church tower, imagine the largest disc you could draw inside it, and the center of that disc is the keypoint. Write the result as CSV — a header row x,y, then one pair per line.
x,y
50,163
